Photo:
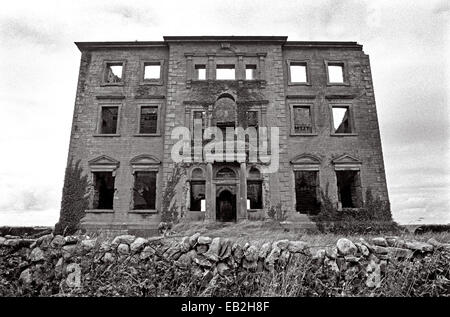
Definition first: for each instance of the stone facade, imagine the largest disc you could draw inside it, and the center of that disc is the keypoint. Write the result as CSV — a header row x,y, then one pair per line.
x,y
312,155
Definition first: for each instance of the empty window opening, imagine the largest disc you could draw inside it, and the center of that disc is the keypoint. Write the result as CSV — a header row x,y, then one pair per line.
x,y
306,192
250,72
225,72
103,190
198,196
113,73
254,194
144,190
335,73
152,71
200,71
341,120
349,188
302,119
254,189
298,73
149,120
109,120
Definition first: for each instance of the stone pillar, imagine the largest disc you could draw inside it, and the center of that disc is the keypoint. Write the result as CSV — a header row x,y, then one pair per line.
x,y
209,195
240,71
189,70
189,67
211,71
262,66
243,192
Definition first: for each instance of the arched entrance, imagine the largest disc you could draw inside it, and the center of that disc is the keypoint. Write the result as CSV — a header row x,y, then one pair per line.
x,y
226,206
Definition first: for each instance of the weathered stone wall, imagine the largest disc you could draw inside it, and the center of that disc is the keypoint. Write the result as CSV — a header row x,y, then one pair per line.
x,y
86,144
365,144
177,90
72,257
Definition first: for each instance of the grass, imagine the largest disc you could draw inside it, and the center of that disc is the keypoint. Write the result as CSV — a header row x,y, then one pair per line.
x,y
259,232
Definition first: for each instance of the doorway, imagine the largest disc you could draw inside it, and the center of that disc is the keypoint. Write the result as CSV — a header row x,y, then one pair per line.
x,y
226,206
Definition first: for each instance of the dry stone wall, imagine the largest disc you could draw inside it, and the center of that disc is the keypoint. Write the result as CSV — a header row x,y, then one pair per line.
x,y
70,258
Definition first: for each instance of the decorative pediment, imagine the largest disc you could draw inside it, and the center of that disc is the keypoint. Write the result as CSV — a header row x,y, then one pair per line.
x,y
346,162
306,162
103,164
145,159
144,162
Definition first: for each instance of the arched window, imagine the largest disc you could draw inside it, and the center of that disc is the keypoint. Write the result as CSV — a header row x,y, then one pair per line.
x,y
254,174
224,114
197,174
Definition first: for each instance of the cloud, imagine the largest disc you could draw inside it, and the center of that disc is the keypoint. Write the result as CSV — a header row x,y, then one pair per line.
x,y
37,32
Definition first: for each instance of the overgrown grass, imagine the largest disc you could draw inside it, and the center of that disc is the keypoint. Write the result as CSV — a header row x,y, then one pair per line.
x,y
259,232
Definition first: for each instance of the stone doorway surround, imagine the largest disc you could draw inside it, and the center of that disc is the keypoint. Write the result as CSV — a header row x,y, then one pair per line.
x,y
227,176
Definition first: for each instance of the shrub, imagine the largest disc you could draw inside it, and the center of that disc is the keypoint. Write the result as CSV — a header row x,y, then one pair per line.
x,y
75,199
374,217
169,211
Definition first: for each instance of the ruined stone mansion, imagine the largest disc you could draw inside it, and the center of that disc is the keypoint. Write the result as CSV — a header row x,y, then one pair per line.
x,y
132,95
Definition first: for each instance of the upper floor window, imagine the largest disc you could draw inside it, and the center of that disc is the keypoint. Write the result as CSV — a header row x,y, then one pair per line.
x,y
148,123
109,119
152,72
302,119
200,72
250,72
298,72
113,73
342,119
335,71
225,72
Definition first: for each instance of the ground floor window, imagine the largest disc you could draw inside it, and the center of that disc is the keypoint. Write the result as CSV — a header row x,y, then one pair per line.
x,y
254,194
306,192
198,196
103,190
144,190
349,188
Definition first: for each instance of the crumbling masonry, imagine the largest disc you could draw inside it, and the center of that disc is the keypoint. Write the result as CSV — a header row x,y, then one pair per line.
x,y
132,95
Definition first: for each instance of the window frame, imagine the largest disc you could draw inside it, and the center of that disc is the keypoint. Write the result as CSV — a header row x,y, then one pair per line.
x,y
226,66
200,66
345,75
154,81
293,105
102,163
260,181
153,169
105,64
351,119
98,130
253,67
158,120
299,62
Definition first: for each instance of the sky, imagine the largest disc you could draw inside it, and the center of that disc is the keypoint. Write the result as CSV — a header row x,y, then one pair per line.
x,y
407,42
